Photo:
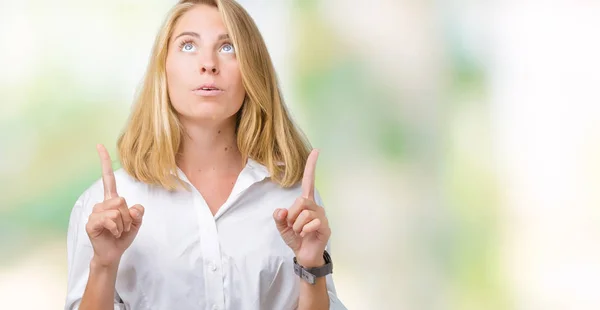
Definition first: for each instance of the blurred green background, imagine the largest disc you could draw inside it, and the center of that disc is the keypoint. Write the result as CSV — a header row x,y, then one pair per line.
x,y
459,140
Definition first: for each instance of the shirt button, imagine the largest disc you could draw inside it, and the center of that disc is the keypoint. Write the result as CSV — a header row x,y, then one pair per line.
x,y
215,307
213,267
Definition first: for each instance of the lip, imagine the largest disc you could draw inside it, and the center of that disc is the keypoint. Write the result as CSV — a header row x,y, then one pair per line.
x,y
207,93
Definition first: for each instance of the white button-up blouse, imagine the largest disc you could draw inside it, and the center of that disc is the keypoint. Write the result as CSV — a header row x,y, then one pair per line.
x,y
185,258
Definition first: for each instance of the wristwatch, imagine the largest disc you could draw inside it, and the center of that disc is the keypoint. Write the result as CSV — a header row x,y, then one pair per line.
x,y
310,275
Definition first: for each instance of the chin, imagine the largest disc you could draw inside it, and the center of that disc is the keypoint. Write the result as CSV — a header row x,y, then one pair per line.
x,y
213,111
205,117
208,115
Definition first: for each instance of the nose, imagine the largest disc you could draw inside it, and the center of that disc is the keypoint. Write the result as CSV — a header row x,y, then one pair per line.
x,y
208,62
210,68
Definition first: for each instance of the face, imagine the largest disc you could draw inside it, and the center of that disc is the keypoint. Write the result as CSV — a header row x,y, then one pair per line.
x,y
203,76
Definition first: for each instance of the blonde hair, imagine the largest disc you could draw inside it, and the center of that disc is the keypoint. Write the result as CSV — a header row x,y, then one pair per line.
x,y
152,137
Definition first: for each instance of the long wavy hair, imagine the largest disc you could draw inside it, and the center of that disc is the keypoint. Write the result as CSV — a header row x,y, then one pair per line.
x,y
265,132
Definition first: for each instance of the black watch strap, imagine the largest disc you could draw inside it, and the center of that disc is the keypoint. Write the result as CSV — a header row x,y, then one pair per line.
x,y
310,275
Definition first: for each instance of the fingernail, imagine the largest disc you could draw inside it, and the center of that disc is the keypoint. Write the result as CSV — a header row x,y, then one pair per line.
x,y
279,214
136,214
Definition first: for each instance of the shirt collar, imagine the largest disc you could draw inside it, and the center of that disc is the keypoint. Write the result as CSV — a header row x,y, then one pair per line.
x,y
259,171
252,173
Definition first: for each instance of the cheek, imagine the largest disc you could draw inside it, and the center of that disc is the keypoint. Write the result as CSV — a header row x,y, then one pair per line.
x,y
175,73
235,77
175,70
179,72
240,92
171,72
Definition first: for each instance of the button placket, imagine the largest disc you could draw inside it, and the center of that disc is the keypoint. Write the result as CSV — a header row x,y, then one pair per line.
x,y
212,252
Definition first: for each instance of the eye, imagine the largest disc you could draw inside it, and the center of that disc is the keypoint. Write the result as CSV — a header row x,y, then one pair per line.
x,y
187,46
227,48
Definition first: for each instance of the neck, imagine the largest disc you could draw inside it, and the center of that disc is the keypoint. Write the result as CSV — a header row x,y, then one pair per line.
x,y
210,149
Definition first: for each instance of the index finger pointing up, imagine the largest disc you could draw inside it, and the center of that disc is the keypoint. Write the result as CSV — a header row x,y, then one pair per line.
x,y
308,180
108,177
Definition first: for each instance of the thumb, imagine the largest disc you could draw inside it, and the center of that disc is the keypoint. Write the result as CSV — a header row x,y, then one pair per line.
x,y
137,213
280,216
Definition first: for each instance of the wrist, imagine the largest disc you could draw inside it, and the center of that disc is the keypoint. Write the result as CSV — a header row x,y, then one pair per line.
x,y
99,265
311,263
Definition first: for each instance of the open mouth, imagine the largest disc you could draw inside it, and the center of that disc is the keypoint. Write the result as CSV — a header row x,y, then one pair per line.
x,y
207,91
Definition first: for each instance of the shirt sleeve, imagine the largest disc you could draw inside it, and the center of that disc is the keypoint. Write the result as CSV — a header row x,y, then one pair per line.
x,y
79,255
334,301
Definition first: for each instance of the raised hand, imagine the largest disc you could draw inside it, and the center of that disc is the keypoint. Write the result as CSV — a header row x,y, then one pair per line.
x,y
304,227
112,226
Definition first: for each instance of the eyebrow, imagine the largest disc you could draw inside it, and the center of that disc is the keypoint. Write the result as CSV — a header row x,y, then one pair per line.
x,y
195,34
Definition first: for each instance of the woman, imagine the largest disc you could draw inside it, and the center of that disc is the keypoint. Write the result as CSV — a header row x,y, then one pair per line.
x,y
225,215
